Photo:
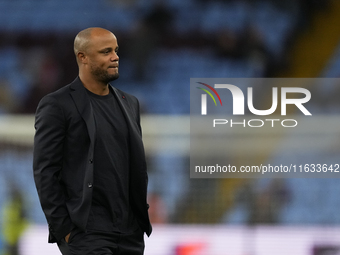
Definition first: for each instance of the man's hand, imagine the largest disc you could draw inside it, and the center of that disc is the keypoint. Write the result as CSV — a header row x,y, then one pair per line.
x,y
67,237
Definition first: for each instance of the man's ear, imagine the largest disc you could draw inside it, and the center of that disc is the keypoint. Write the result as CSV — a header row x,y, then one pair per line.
x,y
82,57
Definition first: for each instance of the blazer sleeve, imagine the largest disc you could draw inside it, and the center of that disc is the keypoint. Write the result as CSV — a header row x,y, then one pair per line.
x,y
47,165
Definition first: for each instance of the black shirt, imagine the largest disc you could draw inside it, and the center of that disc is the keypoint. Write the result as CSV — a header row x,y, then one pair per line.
x,y
110,210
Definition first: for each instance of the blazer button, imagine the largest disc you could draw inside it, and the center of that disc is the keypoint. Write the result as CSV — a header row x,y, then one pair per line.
x,y
91,161
89,185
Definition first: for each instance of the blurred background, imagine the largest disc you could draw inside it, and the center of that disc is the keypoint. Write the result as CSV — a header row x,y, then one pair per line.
x,y
162,45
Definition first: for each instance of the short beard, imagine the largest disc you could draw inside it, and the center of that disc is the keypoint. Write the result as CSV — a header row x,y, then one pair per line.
x,y
103,75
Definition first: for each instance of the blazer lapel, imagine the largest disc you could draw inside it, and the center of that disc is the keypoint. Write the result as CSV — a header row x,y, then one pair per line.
x,y
127,111
80,98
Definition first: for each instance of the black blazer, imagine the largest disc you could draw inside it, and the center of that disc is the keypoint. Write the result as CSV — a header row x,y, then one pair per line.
x,y
63,158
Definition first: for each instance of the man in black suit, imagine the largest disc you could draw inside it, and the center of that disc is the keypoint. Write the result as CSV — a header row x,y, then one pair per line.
x,y
89,162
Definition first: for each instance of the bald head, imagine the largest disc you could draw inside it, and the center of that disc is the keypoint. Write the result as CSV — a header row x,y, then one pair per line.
x,y
83,40
96,51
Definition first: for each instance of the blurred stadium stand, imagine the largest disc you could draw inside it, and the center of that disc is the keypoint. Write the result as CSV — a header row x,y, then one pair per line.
x,y
161,42
162,45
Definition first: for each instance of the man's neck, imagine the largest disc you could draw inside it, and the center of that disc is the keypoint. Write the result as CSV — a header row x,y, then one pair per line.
x,y
95,87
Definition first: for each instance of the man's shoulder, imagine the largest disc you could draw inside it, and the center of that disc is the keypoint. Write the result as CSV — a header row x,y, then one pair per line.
x,y
60,98
62,92
124,94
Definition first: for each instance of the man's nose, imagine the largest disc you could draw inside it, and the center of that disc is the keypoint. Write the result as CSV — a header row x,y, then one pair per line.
x,y
114,56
